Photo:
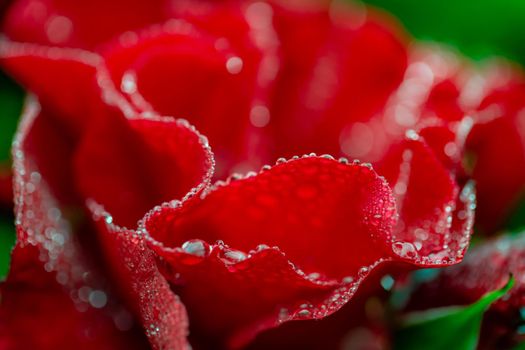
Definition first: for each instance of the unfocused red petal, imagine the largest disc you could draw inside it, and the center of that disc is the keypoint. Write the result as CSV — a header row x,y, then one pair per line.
x,y
84,24
6,188
334,82
496,155
38,313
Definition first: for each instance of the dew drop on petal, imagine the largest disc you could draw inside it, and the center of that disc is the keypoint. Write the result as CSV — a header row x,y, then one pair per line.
x,y
259,116
348,279
303,313
404,249
262,247
233,256
196,247
234,65
59,29
387,282
98,299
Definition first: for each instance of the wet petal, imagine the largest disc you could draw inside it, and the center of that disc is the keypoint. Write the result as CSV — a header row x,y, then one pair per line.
x,y
327,223
63,79
179,70
131,165
37,313
50,286
427,198
133,268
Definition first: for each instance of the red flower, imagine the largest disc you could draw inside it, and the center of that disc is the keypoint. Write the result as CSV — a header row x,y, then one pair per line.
x,y
295,241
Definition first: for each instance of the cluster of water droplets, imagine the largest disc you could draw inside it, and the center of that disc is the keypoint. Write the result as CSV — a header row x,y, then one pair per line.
x,y
41,223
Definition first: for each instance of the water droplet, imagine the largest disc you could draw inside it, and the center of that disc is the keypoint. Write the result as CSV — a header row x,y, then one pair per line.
x,y
404,249
128,83
233,256
262,247
412,135
59,29
196,247
303,313
363,271
260,116
234,65
387,282
327,156
348,279
98,299
313,275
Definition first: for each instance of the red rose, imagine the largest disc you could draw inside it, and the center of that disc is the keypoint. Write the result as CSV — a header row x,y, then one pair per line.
x,y
305,239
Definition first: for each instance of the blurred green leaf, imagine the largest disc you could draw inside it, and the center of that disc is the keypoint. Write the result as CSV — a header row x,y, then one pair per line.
x,y
11,101
7,241
516,223
478,28
519,347
447,328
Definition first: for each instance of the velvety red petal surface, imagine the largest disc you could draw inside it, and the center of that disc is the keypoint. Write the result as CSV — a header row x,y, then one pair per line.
x,y
63,79
179,71
360,324
332,84
293,242
52,290
501,117
71,24
133,269
332,220
6,188
131,165
38,313
487,267
428,199
320,226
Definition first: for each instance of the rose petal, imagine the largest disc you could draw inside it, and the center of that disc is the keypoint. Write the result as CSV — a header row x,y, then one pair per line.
x,y
498,167
345,75
357,324
51,280
133,267
34,303
443,101
428,199
71,24
131,165
304,207
63,79
174,68
6,188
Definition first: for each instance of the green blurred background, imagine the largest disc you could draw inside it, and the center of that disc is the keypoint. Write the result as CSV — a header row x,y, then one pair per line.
x,y
478,28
